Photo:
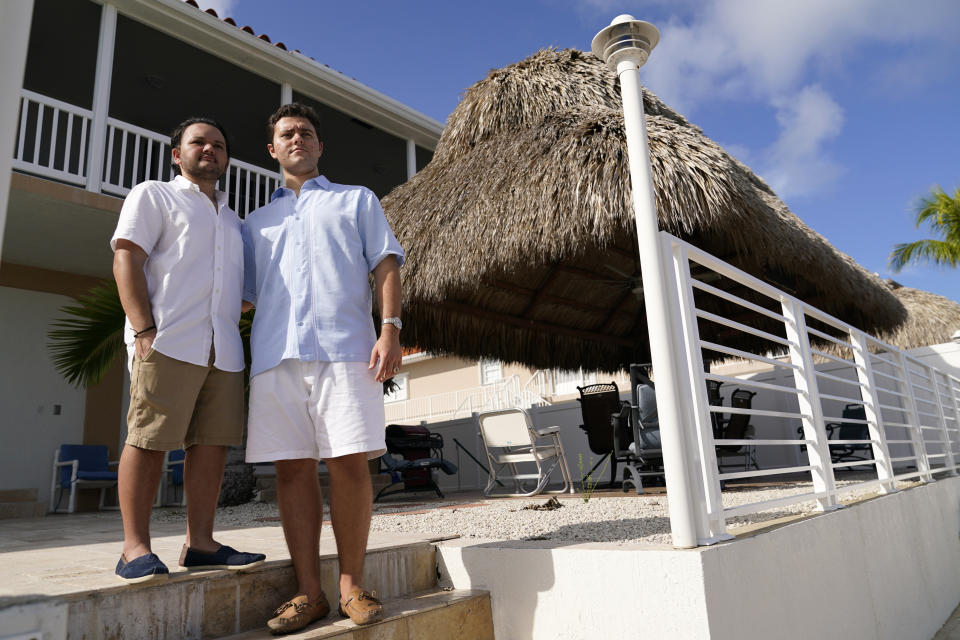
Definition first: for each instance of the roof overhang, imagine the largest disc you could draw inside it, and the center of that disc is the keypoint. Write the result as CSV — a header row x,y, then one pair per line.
x,y
305,75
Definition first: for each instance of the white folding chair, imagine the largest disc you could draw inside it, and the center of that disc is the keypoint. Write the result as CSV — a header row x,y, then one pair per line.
x,y
510,439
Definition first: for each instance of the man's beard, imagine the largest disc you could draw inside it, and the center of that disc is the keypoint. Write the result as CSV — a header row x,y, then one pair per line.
x,y
206,171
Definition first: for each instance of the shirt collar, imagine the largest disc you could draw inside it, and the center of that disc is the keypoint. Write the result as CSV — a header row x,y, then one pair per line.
x,y
320,182
182,183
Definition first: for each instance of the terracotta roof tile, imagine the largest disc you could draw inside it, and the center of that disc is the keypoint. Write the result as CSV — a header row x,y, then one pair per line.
x,y
262,36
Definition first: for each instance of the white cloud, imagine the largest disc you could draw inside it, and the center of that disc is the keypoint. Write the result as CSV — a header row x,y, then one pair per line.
x,y
224,8
770,51
798,164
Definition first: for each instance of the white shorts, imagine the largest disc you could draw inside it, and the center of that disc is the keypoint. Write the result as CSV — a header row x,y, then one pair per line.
x,y
315,410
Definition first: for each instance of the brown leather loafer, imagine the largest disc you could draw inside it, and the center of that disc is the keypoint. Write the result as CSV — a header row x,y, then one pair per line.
x,y
362,607
297,613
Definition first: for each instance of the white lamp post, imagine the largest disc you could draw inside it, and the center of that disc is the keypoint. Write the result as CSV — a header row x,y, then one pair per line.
x,y
625,46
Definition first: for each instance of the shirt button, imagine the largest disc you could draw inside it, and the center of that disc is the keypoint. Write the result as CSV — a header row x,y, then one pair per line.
x,y
218,268
299,324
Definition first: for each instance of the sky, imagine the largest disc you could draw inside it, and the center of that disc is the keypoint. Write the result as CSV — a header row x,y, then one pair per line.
x,y
847,109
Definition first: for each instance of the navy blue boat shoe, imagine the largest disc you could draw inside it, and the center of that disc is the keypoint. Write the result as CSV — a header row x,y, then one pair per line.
x,y
143,569
223,558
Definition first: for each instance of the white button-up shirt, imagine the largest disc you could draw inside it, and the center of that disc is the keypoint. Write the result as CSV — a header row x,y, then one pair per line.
x,y
194,270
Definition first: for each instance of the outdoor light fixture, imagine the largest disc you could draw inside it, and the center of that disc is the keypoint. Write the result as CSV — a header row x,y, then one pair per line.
x,y
625,39
625,46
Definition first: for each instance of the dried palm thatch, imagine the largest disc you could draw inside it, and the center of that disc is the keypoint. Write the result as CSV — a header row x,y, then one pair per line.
x,y
931,319
521,234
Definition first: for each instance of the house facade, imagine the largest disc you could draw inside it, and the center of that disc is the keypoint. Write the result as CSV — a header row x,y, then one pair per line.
x,y
103,84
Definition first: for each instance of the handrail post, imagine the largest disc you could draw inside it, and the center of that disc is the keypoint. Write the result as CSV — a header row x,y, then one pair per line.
x,y
805,379
913,419
948,460
871,407
955,401
101,97
705,474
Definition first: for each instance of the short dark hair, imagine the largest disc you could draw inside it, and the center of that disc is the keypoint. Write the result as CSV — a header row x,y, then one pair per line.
x,y
177,135
293,110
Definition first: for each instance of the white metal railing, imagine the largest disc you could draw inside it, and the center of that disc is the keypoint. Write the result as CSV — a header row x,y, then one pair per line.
x,y
53,140
133,154
502,394
911,409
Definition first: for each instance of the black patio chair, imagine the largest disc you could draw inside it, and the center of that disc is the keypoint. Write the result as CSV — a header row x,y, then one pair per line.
x,y
850,431
598,402
715,399
422,453
636,431
738,427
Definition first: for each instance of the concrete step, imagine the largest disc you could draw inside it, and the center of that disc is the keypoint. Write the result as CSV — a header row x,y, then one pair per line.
x,y
21,509
18,495
431,615
218,603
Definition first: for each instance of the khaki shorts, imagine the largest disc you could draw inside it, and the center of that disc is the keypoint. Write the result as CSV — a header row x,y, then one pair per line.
x,y
176,404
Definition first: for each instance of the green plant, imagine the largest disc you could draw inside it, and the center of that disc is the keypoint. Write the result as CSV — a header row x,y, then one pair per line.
x,y
941,212
587,483
88,339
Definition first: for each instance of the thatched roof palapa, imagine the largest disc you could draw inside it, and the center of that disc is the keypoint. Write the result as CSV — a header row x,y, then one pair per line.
x,y
521,236
931,319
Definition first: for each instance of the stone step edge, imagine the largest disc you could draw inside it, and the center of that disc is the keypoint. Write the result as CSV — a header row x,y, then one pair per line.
x,y
334,626
180,577
18,495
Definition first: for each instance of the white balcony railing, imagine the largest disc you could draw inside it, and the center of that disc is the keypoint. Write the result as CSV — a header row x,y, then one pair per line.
x,y
54,137
501,394
912,408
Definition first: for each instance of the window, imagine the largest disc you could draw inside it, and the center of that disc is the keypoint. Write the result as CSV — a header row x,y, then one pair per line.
x,y
490,371
400,393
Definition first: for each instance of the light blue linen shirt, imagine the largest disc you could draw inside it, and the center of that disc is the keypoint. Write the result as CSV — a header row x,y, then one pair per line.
x,y
306,266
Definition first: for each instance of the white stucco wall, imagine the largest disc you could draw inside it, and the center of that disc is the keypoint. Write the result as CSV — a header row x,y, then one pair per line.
x,y
31,387
884,569
14,36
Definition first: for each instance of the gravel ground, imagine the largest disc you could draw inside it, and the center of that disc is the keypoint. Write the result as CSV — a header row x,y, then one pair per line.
x,y
605,518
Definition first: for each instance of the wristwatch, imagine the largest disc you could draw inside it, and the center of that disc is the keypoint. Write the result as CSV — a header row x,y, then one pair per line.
x,y
394,321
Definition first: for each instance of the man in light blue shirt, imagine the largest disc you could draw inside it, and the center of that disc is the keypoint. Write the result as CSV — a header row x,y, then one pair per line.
x,y
315,390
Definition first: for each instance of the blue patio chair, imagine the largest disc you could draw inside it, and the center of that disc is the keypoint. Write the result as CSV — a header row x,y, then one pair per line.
x,y
171,480
83,466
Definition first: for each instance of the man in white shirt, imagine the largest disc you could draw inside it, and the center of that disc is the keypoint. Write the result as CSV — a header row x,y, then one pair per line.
x,y
178,263
315,390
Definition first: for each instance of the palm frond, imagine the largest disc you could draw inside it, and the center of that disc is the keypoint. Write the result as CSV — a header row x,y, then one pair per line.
x,y
938,252
88,338
942,212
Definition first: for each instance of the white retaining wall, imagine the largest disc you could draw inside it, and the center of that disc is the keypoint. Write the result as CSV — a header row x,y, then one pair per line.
x,y
888,569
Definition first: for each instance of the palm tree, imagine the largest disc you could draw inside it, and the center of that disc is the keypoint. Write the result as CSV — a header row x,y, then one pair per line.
x,y
88,338
942,212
